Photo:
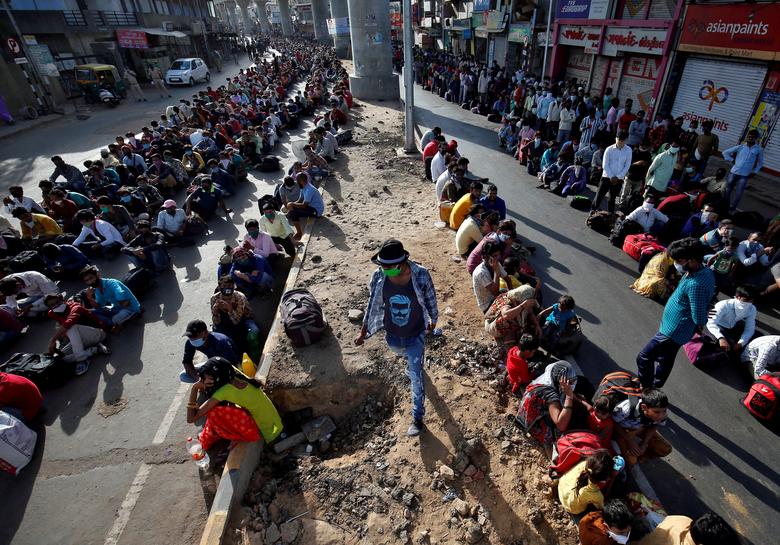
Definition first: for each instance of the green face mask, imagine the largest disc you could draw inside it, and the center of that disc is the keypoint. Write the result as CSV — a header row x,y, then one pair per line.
x,y
392,272
105,208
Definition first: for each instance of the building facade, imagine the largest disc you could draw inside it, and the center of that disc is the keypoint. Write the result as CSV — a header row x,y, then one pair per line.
x,y
624,45
136,33
727,69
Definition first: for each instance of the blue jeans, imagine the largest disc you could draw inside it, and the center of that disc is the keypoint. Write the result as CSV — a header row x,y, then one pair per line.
x,y
737,182
185,377
114,315
156,260
414,350
656,360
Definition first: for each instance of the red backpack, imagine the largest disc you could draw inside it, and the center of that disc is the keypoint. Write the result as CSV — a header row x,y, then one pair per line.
x,y
572,448
635,245
763,397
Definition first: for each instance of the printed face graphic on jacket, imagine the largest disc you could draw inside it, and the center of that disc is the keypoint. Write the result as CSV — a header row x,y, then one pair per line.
x,y
400,309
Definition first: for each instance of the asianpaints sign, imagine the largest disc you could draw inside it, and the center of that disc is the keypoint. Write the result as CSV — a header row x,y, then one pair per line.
x,y
743,30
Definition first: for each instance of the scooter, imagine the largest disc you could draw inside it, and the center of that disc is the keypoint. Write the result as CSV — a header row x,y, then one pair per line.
x,y
109,98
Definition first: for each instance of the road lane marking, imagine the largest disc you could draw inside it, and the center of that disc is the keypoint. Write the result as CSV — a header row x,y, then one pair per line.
x,y
165,425
128,504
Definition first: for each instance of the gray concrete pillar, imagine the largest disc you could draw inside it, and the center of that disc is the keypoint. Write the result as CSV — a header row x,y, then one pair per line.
x,y
338,10
372,53
262,16
284,15
243,6
319,12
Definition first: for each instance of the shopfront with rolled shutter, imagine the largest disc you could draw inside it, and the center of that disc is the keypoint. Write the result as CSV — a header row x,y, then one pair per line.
x,y
731,72
721,90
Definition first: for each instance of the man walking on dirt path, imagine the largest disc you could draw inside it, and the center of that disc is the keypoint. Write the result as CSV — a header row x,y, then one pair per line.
x,y
402,300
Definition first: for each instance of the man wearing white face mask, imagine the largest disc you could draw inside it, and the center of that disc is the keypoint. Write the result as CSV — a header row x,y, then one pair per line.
x,y
685,313
78,330
734,321
661,169
611,526
648,216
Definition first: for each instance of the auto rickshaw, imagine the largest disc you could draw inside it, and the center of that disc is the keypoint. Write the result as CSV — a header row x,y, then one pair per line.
x,y
91,78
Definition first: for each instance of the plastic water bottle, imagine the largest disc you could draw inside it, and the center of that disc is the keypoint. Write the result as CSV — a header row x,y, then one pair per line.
x,y
199,456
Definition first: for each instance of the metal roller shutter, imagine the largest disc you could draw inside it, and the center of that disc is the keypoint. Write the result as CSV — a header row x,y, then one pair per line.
x,y
599,75
721,90
639,76
579,65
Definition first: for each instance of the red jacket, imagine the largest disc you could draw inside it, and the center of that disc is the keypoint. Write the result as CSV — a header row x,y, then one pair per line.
x,y
431,149
76,314
20,393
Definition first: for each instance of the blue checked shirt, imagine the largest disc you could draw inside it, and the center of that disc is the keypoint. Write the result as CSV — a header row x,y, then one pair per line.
x,y
373,320
687,307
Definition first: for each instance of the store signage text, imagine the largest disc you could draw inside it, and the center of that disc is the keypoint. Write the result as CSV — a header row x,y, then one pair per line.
x,y
636,40
582,9
746,30
587,37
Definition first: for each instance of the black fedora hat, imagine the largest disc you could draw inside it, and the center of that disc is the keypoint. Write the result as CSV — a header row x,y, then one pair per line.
x,y
390,253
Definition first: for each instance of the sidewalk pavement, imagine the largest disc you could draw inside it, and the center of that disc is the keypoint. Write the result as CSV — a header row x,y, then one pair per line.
x,y
23,125
762,194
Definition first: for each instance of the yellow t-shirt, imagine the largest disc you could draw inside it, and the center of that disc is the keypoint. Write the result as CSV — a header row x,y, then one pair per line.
x,y
513,283
254,400
43,225
590,494
460,211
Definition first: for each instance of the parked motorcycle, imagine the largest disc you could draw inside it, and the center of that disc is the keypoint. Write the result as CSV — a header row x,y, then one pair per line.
x,y
108,98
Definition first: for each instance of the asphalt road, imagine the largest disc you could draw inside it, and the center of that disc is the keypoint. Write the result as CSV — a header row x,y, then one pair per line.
x,y
724,460
87,465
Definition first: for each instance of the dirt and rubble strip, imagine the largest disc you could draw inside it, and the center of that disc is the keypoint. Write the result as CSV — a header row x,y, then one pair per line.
x,y
471,477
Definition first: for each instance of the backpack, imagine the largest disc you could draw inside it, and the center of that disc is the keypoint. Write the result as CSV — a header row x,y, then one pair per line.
x,y
572,448
619,386
621,230
763,397
139,281
634,245
600,221
302,317
578,202
44,370
28,260
749,220
274,200
344,137
269,163
701,351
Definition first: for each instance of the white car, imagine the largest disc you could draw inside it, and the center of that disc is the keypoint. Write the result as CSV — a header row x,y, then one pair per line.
x,y
187,72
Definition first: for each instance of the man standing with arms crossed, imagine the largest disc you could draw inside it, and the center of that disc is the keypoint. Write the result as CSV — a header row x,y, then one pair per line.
x,y
402,300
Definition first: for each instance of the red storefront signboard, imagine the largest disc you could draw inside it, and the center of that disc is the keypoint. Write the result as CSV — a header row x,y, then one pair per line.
x,y
580,36
746,30
636,40
132,39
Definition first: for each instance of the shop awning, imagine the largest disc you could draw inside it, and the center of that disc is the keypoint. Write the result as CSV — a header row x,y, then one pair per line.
x,y
488,29
161,32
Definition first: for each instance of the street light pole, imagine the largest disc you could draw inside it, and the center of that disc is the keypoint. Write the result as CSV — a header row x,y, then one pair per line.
x,y
547,37
409,144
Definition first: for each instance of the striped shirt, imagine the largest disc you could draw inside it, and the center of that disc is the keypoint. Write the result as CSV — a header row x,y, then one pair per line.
x,y
687,307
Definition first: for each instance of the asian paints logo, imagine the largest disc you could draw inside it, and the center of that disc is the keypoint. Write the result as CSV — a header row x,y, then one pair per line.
x,y
712,93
